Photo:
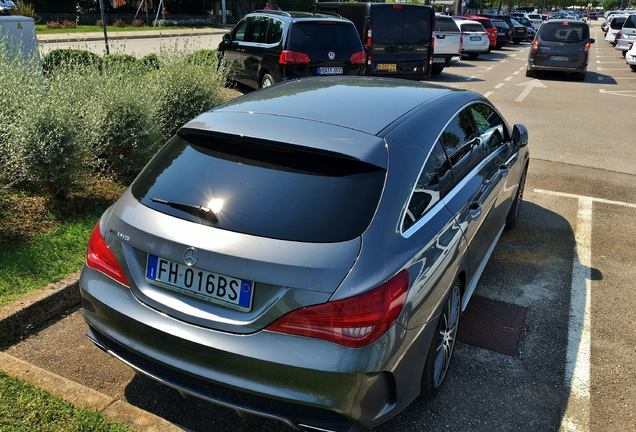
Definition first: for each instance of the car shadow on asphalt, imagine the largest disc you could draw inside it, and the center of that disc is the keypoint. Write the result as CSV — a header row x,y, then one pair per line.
x,y
590,77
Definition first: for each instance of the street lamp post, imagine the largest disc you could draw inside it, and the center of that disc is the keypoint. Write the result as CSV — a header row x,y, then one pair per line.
x,y
101,8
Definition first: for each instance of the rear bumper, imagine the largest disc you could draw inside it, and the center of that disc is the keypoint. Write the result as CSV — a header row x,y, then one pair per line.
x,y
303,382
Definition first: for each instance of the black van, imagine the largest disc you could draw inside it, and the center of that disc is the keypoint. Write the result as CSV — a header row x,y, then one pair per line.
x,y
397,37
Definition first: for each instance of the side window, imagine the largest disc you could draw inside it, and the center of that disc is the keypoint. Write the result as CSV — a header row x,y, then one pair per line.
x,y
257,30
461,143
238,34
490,127
274,31
434,180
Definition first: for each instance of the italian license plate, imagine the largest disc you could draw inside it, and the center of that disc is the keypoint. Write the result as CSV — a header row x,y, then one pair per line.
x,y
213,287
439,60
559,58
522,30
475,38
386,67
330,71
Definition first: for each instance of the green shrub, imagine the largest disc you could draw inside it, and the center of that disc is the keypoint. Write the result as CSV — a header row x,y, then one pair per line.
x,y
118,62
52,156
203,57
149,62
24,9
68,58
20,88
182,90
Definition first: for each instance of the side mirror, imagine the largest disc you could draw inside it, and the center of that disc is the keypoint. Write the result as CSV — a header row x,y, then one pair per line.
x,y
227,38
592,40
520,135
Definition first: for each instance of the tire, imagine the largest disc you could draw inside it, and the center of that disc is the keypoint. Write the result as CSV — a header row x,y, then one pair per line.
x,y
442,346
633,68
437,69
267,80
513,214
624,53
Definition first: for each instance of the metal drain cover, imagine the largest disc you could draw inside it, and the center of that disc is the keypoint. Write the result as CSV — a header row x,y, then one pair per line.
x,y
492,324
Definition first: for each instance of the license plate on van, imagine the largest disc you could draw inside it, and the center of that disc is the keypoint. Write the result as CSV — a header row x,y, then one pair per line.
x,y
559,58
391,67
330,71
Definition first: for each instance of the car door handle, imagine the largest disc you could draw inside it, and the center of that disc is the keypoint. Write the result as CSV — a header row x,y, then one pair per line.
x,y
504,170
475,210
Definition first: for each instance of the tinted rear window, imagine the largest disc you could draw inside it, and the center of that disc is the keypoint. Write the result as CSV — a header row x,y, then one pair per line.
x,y
500,24
630,22
564,32
617,23
446,25
398,24
321,35
472,28
265,190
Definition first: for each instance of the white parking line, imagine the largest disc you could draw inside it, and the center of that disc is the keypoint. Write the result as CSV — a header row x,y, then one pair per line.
x,y
577,364
500,85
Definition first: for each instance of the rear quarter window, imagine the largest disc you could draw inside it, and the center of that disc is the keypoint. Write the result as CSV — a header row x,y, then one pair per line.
x,y
630,22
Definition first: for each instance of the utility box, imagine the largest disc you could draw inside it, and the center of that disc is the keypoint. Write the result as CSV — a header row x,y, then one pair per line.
x,y
17,33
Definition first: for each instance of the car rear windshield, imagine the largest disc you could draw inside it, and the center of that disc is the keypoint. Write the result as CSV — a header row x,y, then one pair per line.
x,y
324,35
564,32
468,27
261,188
617,23
401,24
500,24
446,25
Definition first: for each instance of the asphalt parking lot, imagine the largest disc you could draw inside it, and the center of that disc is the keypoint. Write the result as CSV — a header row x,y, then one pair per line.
x,y
569,265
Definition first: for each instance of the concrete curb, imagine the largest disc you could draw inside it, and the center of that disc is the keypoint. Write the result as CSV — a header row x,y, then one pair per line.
x,y
165,33
19,317
84,397
28,312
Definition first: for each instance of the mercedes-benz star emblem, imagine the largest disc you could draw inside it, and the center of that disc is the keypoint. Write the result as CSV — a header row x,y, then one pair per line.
x,y
190,256
332,55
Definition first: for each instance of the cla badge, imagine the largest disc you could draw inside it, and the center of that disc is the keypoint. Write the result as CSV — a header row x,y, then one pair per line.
x,y
190,256
332,55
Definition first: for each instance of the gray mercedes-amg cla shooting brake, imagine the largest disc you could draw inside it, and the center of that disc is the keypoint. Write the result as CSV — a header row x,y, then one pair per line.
x,y
304,252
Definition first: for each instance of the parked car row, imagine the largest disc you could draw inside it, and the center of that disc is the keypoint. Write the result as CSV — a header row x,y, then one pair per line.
x,y
359,38
620,31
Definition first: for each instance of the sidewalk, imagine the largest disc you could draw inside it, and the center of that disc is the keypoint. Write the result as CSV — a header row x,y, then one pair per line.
x,y
119,35
53,302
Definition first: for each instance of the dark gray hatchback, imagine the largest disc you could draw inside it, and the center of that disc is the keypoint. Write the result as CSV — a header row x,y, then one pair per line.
x,y
560,46
306,263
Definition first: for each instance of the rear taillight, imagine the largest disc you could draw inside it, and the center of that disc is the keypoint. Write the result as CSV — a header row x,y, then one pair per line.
x,y
358,58
368,39
618,35
586,50
535,46
292,57
353,322
101,258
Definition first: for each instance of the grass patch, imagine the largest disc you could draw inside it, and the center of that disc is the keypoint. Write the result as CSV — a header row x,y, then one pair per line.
x,y
43,240
41,29
27,408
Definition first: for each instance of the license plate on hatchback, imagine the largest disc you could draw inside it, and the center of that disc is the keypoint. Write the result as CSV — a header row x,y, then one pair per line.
x,y
475,38
559,58
330,71
213,287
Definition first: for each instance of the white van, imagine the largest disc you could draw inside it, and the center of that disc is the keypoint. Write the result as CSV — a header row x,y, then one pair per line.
x,y
17,33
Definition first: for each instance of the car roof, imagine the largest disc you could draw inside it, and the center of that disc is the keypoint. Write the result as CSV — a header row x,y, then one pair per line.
x,y
296,15
308,112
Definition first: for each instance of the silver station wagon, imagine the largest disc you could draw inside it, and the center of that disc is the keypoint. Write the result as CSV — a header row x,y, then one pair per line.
x,y
307,260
